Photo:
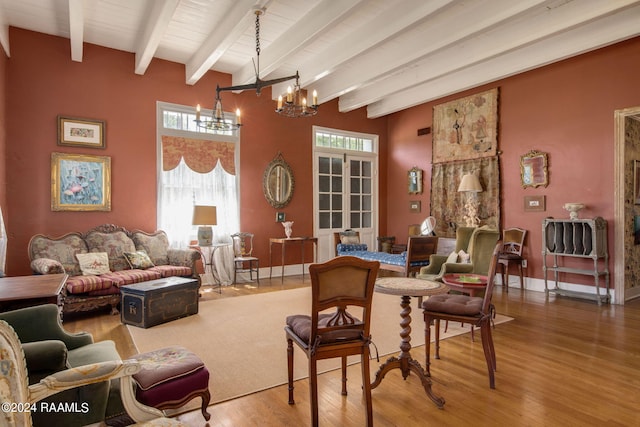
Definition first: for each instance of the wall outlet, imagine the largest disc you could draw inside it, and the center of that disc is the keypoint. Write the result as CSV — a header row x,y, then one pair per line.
x,y
524,263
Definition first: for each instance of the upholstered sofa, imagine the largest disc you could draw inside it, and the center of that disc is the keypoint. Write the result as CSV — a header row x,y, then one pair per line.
x,y
104,258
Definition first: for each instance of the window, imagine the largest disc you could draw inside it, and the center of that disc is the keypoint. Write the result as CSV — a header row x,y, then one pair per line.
x,y
195,166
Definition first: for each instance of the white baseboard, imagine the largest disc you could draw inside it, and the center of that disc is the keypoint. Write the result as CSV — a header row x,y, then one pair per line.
x,y
537,285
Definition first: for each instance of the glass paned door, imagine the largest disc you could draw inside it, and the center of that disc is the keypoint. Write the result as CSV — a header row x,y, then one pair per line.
x,y
345,189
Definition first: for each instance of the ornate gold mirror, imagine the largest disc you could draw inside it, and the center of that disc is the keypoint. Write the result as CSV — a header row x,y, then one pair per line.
x,y
533,169
415,180
278,182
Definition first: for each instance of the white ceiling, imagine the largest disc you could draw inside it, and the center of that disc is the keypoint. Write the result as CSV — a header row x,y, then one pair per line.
x,y
387,55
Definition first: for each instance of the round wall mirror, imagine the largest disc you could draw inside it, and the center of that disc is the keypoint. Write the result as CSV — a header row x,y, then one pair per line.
x,y
278,182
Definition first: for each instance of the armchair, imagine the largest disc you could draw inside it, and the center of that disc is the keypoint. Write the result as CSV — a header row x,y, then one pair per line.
x,y
16,390
49,349
477,242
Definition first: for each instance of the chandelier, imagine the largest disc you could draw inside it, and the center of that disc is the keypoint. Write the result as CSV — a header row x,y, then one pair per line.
x,y
294,105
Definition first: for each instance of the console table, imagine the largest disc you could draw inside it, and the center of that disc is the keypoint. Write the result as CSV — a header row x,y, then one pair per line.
x,y
284,241
26,291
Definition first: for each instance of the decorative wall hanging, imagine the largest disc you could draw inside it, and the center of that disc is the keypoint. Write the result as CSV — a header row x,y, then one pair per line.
x,y
415,206
533,169
80,182
415,180
278,182
81,132
466,128
448,205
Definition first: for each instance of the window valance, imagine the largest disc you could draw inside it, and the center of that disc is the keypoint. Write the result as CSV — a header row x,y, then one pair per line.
x,y
200,155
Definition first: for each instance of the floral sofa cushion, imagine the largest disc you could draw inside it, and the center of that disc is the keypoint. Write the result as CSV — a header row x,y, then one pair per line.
x,y
114,244
62,249
156,245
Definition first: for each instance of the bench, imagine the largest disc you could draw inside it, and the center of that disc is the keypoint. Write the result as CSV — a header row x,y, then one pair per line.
x,y
419,249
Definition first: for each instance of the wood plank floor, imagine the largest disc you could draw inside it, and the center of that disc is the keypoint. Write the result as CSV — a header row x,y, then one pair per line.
x,y
561,362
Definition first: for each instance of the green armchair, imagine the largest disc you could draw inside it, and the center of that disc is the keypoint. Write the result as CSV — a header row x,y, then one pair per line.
x,y
477,242
48,349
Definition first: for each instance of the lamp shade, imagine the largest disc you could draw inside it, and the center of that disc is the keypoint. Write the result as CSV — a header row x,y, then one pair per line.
x,y
204,215
471,183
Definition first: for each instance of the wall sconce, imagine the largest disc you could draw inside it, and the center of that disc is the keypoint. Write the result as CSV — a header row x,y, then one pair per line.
x,y
205,217
470,184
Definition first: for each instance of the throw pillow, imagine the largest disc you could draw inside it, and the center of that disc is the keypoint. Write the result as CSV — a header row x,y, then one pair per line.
x,y
465,258
452,258
349,239
138,259
93,263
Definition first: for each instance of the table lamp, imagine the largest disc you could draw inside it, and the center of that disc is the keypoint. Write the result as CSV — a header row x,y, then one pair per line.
x,y
470,184
205,217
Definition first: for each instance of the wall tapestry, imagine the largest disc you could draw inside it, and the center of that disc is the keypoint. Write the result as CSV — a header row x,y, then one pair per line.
x,y
466,128
447,204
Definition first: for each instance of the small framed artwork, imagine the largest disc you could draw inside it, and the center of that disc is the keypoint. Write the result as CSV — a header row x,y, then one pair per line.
x,y
534,204
415,180
636,182
81,132
80,182
415,206
280,217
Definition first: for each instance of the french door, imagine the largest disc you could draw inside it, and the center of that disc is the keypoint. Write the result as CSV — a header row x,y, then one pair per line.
x,y
345,197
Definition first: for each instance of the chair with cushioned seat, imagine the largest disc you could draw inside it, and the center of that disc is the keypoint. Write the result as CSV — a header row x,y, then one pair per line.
x,y
340,283
465,309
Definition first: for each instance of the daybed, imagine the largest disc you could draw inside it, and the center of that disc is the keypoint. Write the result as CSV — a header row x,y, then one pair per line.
x,y
419,250
111,257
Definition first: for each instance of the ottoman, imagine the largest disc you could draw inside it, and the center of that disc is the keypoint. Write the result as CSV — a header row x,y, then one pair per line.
x,y
171,377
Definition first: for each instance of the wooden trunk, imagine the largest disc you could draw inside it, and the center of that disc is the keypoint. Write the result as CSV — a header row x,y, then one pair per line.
x,y
158,301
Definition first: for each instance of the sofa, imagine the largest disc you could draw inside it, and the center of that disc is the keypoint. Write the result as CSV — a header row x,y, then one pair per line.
x,y
104,258
48,348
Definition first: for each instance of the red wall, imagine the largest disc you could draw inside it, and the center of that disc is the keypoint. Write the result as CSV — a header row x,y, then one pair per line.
x,y
43,82
564,109
3,134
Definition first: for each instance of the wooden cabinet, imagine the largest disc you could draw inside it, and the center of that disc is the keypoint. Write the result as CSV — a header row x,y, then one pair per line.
x,y
581,239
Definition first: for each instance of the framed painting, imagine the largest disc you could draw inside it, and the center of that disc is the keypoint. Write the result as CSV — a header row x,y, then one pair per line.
x,y
534,170
466,128
415,206
534,203
81,132
80,182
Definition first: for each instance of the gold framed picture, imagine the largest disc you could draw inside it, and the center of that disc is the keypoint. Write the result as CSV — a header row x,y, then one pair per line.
x,y
415,180
415,206
81,132
534,204
80,182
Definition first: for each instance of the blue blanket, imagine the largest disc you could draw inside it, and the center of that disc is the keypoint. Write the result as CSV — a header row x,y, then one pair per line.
x,y
360,251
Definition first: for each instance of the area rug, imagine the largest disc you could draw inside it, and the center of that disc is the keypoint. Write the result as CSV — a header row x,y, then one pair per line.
x,y
242,341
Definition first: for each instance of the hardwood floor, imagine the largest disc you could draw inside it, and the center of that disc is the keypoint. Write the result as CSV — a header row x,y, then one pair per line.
x,y
565,362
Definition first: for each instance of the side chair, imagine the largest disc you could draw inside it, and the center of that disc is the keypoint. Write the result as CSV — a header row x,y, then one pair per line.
x,y
512,246
243,260
341,283
465,309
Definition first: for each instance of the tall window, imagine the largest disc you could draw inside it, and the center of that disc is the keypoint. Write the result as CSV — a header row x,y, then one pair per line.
x,y
195,166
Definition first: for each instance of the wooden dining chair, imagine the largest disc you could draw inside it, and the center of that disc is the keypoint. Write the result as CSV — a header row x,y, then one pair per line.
x,y
342,283
511,253
465,309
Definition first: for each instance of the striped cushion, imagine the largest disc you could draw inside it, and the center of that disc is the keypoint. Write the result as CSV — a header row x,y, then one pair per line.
x,y
171,270
127,277
82,284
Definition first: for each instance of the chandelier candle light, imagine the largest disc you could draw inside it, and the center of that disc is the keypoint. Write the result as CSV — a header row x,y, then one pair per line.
x,y
295,104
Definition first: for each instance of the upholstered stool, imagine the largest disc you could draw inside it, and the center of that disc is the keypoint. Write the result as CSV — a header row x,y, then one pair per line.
x,y
171,377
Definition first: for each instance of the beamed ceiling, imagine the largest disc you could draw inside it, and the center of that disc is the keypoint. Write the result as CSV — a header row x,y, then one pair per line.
x,y
385,55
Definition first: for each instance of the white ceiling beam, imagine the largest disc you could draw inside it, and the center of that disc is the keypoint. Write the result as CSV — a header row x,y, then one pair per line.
x,y
453,25
236,21
76,29
597,34
157,24
300,34
396,19
514,34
